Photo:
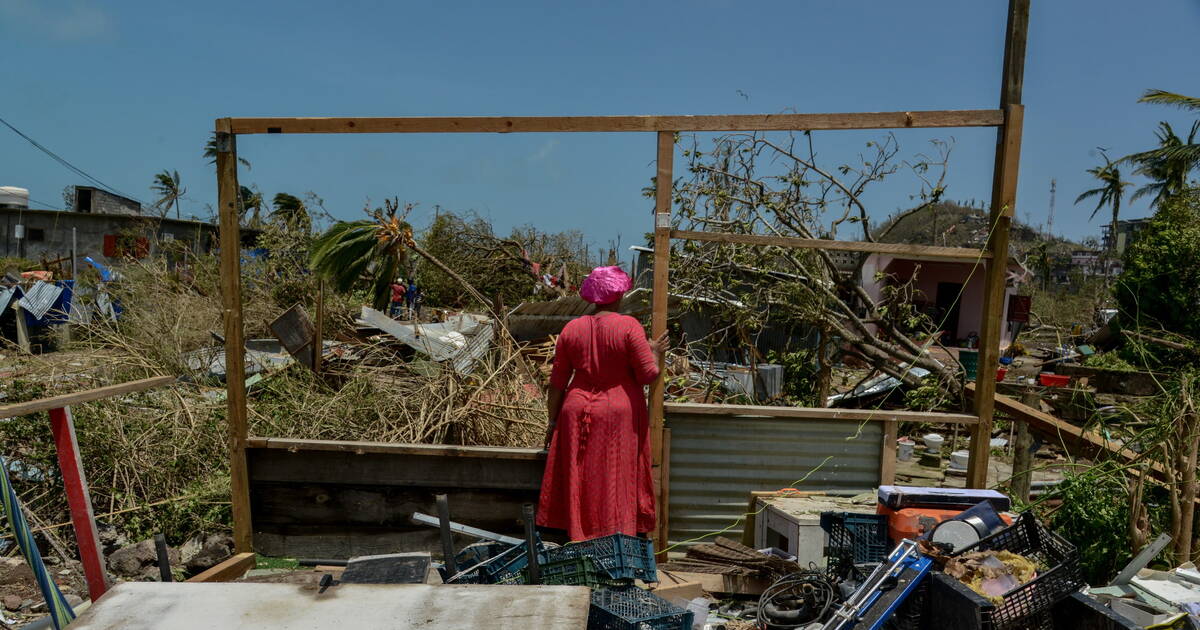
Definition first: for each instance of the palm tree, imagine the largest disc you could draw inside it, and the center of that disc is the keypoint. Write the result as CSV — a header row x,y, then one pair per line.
x,y
210,152
166,185
1168,165
1110,191
252,199
376,249
291,211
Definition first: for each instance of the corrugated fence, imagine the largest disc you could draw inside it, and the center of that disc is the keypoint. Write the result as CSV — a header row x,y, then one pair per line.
x,y
716,460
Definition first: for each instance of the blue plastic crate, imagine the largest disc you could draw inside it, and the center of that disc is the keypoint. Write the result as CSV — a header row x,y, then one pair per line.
x,y
632,608
619,556
861,538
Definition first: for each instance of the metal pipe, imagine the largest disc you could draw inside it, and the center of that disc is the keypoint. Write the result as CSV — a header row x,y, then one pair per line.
x,y
164,558
458,528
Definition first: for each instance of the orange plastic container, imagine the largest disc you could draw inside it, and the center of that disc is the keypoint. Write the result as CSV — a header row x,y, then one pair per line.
x,y
916,522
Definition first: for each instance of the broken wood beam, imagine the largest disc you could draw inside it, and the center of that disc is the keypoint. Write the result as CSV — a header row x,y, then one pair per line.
x,y
67,400
904,250
227,571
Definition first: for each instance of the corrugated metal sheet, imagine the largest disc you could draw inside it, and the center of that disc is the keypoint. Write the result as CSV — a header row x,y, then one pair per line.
x,y
40,298
6,296
717,460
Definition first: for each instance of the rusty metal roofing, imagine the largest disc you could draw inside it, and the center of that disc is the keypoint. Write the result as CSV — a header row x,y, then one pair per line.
x,y
716,460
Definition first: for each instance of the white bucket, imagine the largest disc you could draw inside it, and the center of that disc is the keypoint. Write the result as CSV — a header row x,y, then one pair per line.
x,y
934,441
904,450
958,459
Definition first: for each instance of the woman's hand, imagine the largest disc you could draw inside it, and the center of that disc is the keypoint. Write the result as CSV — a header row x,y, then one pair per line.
x,y
550,434
659,344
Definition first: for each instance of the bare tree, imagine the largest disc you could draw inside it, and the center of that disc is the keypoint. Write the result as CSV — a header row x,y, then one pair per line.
x,y
760,184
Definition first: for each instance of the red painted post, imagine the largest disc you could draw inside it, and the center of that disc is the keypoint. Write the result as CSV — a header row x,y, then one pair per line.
x,y
79,500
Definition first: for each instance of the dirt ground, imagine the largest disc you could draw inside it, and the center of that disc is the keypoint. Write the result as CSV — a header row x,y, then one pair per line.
x,y
18,587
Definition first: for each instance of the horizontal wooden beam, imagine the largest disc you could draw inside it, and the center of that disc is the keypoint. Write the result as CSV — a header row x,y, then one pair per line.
x,y
388,448
570,124
66,400
915,252
820,413
227,571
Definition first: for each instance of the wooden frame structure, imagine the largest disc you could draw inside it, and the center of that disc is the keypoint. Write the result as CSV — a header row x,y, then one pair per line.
x,y
1007,118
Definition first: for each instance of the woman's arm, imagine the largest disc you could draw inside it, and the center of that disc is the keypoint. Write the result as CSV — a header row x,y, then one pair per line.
x,y
646,354
554,403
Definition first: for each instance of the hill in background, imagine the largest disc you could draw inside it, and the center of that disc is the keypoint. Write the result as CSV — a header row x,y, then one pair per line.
x,y
952,224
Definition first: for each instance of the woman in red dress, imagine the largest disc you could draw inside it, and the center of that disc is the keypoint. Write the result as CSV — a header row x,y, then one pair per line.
x,y
597,480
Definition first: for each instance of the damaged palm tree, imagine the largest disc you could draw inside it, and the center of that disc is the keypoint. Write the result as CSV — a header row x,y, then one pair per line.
x,y
756,184
375,249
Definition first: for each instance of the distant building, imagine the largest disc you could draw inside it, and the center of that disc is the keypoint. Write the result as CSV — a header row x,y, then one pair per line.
x,y
106,227
1127,232
1094,263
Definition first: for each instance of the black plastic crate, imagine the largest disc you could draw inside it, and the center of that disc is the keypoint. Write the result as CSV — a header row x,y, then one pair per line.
x,y
1057,576
913,611
619,556
860,538
632,608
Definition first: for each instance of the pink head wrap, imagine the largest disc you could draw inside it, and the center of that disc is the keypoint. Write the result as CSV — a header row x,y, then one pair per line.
x,y
605,285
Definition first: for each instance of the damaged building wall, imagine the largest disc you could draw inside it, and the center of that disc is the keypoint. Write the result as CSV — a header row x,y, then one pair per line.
x,y
47,234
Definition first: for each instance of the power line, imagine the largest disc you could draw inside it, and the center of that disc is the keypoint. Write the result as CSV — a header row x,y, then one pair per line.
x,y
65,163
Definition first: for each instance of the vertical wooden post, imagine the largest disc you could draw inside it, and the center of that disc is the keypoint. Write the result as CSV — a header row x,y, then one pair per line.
x,y
887,455
1022,468
664,182
1004,196
319,333
235,367
79,500
22,328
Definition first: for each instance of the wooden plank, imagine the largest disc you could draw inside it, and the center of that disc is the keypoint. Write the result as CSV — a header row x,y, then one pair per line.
x,y
235,368
399,470
227,571
664,515
1076,440
903,250
664,184
1004,196
887,455
79,500
574,124
67,400
821,413
440,450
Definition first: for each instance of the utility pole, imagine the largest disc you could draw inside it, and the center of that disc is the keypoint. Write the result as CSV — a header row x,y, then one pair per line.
x,y
1050,215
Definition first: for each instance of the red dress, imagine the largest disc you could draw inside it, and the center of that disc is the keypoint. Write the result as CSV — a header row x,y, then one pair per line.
x,y
597,479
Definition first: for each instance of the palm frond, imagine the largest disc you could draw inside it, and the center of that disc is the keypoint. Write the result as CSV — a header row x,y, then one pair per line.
x,y
1163,97
345,252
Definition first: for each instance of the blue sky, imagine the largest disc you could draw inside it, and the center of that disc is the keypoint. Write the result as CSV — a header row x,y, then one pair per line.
x,y
124,90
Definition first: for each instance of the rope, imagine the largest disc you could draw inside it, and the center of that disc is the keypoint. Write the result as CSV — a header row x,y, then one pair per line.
x,y
60,611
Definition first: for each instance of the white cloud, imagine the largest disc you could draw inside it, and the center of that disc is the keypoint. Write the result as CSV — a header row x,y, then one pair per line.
x,y
76,20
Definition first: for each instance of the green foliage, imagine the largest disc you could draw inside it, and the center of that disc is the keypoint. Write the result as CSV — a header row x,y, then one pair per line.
x,y
9,263
926,397
1109,361
1160,285
800,374
1094,516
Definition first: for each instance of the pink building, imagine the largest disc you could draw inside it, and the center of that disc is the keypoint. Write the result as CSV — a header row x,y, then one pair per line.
x,y
949,292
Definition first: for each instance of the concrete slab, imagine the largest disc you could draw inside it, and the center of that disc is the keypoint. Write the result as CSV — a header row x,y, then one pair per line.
x,y
213,606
